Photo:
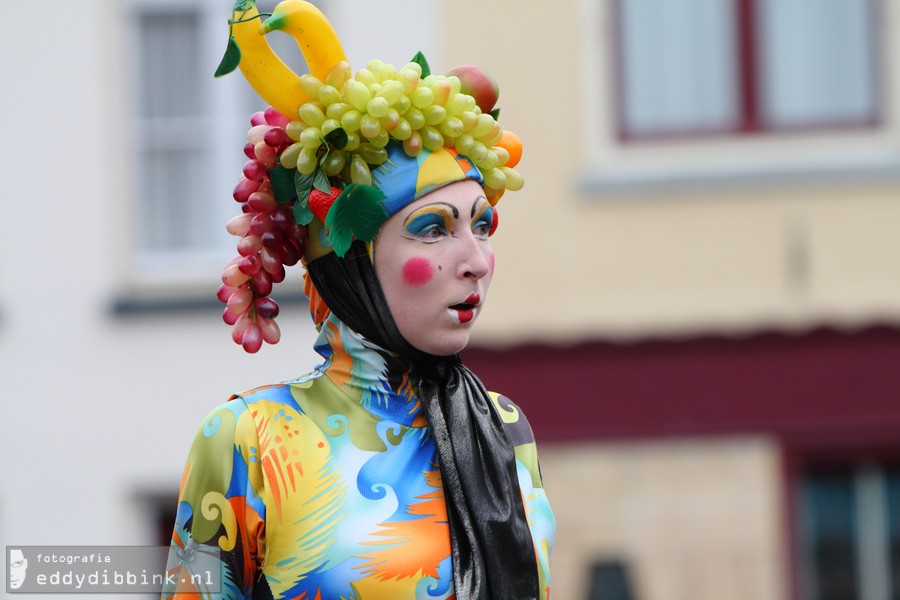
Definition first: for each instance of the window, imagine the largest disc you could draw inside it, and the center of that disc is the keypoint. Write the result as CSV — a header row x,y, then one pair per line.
x,y
700,67
609,580
849,533
188,131
174,122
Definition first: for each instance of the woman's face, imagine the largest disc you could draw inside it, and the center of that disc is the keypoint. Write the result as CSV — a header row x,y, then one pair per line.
x,y
434,262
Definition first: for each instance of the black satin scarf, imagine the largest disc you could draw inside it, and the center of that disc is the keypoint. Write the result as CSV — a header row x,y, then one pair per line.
x,y
491,545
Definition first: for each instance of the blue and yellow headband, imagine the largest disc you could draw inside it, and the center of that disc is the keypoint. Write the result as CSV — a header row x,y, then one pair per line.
x,y
404,179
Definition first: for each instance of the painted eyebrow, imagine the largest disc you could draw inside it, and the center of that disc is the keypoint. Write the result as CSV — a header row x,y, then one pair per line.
x,y
475,204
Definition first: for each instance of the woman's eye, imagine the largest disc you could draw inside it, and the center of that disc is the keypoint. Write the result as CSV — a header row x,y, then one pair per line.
x,y
481,229
432,232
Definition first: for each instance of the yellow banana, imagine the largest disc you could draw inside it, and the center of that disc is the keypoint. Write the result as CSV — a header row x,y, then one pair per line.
x,y
273,80
313,33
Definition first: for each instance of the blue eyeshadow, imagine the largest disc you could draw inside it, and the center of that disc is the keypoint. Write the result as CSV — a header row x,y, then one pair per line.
x,y
423,222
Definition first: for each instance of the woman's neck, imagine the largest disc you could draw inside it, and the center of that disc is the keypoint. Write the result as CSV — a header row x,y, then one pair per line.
x,y
377,379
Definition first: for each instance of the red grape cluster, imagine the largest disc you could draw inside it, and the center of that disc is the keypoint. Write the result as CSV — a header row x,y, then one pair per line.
x,y
270,238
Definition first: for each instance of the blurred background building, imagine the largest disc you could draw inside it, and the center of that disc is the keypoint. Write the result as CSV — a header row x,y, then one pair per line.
x,y
697,298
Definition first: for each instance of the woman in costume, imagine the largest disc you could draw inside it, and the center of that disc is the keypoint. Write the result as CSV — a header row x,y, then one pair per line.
x,y
388,472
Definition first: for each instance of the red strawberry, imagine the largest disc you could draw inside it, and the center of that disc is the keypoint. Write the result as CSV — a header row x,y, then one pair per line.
x,y
320,202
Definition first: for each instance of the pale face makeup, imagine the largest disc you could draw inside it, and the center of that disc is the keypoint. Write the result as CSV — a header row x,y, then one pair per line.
x,y
434,262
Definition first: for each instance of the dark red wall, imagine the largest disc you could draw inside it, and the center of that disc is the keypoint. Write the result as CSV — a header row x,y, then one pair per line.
x,y
823,387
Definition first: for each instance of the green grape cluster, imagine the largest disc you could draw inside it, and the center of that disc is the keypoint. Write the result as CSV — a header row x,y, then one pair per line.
x,y
381,103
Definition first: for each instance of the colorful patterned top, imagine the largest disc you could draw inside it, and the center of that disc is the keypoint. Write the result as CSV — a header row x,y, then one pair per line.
x,y
328,487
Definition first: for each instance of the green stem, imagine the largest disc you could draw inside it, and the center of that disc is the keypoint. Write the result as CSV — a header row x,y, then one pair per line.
x,y
232,21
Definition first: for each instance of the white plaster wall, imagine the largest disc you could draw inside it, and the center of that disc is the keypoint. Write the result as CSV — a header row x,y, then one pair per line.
x,y
96,410
99,410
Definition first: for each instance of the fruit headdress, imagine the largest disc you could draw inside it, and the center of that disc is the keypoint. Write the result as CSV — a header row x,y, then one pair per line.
x,y
336,153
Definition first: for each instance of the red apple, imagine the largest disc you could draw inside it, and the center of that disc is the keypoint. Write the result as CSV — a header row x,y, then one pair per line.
x,y
477,83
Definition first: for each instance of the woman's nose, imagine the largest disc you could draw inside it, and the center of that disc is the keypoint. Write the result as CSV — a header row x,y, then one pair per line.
x,y
473,260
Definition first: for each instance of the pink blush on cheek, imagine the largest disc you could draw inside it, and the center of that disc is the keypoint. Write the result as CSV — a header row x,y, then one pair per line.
x,y
491,261
418,271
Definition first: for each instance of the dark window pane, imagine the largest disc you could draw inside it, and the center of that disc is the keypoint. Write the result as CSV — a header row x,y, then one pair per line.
x,y
609,581
829,534
892,488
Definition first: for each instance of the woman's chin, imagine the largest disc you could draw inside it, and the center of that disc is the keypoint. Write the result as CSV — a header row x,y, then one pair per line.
x,y
444,343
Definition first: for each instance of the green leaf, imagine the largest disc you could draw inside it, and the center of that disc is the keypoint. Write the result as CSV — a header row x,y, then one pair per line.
x,y
337,138
419,59
302,214
321,181
243,4
357,213
231,60
283,186
496,114
303,184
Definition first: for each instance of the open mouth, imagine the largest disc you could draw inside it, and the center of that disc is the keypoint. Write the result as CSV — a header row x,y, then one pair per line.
x,y
470,303
465,311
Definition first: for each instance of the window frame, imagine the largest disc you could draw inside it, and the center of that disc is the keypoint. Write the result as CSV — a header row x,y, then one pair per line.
x,y
178,278
193,283
616,166
748,58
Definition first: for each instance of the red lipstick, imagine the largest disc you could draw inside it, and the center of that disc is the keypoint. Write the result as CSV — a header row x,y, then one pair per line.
x,y
465,311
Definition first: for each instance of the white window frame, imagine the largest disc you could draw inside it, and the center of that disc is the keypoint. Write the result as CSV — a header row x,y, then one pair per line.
x,y
613,167
194,274
195,278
